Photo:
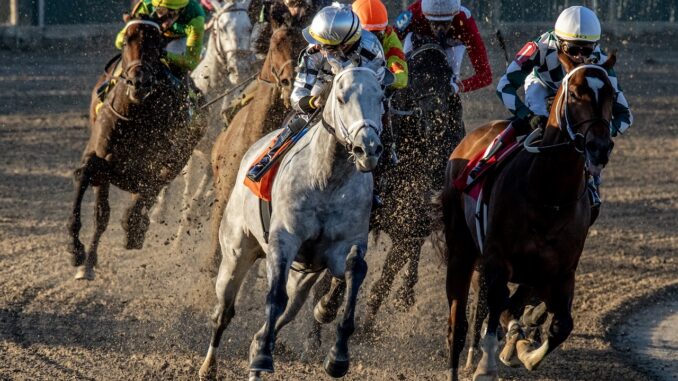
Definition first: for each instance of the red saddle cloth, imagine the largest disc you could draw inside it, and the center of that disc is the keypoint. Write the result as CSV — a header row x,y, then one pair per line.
x,y
262,188
472,178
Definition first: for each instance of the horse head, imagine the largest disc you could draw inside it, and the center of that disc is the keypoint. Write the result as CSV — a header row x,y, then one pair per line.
x,y
353,113
141,50
231,36
587,98
280,61
426,101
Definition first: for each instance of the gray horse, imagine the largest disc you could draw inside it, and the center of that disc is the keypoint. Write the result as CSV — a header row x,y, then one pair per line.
x,y
321,205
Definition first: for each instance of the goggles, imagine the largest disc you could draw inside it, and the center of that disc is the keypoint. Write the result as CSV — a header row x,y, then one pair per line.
x,y
575,50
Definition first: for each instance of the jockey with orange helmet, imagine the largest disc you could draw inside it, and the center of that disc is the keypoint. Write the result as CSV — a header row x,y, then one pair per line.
x,y
374,17
183,23
456,30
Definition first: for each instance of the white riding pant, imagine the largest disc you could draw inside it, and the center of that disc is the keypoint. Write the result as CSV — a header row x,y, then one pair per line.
x,y
536,95
177,46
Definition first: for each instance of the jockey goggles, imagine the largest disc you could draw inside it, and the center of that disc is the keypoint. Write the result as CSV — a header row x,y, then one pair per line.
x,y
575,50
164,12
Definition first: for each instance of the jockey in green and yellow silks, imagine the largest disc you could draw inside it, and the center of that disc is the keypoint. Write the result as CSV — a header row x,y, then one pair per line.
x,y
183,23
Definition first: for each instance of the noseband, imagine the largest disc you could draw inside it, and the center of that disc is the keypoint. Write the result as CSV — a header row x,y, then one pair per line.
x,y
576,139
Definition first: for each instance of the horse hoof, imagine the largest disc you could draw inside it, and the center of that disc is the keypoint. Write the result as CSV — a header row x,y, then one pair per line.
x,y
508,355
491,376
78,255
84,272
334,367
262,363
254,376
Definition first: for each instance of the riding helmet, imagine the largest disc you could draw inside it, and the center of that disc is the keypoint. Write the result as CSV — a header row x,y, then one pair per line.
x,y
333,25
372,14
578,24
171,4
440,10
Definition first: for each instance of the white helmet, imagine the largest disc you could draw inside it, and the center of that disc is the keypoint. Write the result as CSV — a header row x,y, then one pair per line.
x,y
440,10
578,24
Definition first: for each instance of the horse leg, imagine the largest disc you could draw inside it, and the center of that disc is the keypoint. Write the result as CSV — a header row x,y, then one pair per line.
x,y
405,294
514,327
495,275
242,252
82,179
461,257
136,221
214,255
395,260
559,303
283,247
326,309
322,287
337,361
193,195
478,313
103,214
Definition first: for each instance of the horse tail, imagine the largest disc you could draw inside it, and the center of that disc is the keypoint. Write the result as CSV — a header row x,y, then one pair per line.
x,y
441,217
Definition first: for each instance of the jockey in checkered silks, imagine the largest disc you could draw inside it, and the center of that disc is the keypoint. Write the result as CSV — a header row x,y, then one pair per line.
x,y
537,69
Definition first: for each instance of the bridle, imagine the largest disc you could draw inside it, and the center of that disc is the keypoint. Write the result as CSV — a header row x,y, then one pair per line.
x,y
348,133
221,53
576,139
127,66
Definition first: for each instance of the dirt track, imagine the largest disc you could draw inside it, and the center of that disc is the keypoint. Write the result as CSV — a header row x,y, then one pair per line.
x,y
145,316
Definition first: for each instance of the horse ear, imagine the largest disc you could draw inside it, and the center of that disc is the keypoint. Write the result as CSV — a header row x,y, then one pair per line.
x,y
611,60
566,61
126,17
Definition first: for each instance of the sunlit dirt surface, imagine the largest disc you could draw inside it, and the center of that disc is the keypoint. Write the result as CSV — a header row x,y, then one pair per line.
x,y
145,317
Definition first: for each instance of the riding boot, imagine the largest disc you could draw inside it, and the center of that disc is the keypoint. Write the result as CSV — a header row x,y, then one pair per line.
x,y
593,185
294,126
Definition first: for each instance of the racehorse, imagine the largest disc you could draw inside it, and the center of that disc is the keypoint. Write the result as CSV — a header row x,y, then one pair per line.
x,y
228,62
537,220
139,141
427,125
321,203
262,115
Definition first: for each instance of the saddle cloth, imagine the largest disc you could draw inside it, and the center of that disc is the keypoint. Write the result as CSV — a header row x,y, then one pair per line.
x,y
472,178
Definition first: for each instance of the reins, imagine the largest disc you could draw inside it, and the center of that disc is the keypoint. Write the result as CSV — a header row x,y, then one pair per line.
x,y
576,139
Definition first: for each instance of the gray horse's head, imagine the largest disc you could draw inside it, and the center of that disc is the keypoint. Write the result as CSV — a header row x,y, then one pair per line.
x,y
354,110
233,29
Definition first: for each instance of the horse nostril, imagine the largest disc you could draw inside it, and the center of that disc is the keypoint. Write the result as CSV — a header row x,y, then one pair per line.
x,y
358,151
285,82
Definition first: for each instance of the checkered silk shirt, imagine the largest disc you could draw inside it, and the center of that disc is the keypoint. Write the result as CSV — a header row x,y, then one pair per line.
x,y
540,58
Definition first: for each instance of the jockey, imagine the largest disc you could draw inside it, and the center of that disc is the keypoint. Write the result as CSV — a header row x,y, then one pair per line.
x,y
374,17
183,23
336,41
454,27
300,10
537,69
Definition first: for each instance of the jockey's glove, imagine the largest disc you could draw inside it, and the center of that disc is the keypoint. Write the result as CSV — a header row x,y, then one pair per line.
x,y
307,104
537,121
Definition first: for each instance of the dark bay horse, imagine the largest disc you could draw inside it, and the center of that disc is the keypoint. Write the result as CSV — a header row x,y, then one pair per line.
x,y
140,139
263,114
538,217
426,126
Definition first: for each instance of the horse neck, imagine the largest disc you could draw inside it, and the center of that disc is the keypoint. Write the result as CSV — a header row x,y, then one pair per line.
x,y
329,162
556,177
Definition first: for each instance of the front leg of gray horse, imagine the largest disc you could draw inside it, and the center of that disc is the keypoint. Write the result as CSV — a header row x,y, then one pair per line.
x,y
337,361
283,248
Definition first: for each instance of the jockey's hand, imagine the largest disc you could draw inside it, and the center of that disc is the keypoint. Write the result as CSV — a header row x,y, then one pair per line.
x,y
537,121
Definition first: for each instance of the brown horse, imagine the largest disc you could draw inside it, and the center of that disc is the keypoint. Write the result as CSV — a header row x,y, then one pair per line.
x,y
538,217
139,141
262,115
